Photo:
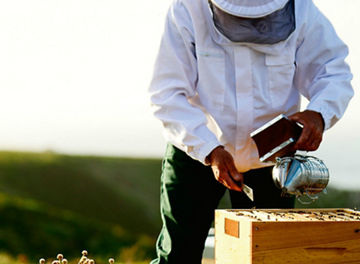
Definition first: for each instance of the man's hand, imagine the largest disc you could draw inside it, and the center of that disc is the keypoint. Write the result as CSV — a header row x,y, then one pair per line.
x,y
312,132
222,164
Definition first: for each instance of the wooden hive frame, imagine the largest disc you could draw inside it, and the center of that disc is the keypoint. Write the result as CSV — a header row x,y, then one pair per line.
x,y
287,236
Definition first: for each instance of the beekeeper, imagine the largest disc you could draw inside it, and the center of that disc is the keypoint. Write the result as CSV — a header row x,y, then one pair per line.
x,y
226,67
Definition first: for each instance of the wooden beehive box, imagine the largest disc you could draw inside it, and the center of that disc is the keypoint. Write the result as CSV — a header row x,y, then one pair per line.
x,y
275,236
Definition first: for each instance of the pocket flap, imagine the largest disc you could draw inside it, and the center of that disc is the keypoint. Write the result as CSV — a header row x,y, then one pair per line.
x,y
210,53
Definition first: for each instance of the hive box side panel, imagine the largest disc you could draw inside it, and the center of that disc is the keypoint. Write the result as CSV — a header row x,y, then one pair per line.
x,y
293,242
232,244
336,253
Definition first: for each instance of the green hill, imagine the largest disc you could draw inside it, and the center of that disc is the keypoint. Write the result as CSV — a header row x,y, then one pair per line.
x,y
31,230
51,203
115,190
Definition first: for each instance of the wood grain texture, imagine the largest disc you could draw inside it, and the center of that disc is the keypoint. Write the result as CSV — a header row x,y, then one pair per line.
x,y
296,236
334,253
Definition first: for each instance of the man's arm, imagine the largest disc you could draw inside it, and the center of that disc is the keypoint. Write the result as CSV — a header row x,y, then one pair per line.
x,y
323,77
173,83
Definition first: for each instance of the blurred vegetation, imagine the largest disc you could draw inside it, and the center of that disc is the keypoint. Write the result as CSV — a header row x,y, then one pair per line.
x,y
334,198
30,230
21,259
102,188
52,203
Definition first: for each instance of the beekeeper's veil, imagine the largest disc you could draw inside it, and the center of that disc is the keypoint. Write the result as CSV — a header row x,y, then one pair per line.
x,y
254,21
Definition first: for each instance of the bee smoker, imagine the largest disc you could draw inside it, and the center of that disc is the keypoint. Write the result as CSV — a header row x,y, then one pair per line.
x,y
300,175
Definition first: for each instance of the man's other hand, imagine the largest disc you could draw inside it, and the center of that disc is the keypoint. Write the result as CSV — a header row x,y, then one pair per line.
x,y
313,128
223,167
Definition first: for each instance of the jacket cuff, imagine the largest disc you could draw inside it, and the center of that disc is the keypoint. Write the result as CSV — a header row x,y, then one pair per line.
x,y
202,152
324,113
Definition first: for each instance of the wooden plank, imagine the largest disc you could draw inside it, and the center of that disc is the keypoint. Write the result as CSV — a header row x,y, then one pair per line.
x,y
279,235
334,253
296,215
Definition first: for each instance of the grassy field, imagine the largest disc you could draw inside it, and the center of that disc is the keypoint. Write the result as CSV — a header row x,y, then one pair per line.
x,y
115,190
109,206
51,202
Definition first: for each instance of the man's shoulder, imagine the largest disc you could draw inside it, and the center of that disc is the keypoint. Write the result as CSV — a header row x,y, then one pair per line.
x,y
188,2
189,5
305,7
306,14
188,12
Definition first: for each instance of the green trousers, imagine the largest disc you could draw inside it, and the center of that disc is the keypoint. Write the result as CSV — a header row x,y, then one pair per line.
x,y
190,194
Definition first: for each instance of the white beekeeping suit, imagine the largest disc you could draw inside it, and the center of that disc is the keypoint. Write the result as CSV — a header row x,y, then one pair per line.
x,y
225,68
208,90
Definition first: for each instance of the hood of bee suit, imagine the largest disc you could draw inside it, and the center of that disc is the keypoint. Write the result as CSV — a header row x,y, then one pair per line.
x,y
247,26
249,8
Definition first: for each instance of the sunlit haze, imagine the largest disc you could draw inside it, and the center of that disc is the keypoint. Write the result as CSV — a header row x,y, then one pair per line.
x,y
74,76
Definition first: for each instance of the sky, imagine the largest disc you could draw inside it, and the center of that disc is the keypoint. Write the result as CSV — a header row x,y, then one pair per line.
x,y
74,76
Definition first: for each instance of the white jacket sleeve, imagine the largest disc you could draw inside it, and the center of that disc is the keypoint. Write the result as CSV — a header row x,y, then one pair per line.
x,y
173,83
322,75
